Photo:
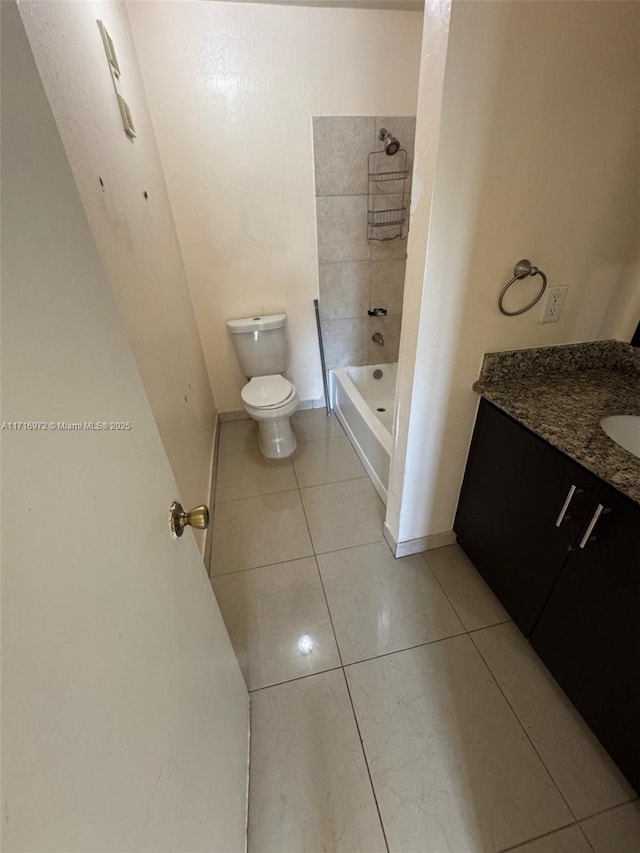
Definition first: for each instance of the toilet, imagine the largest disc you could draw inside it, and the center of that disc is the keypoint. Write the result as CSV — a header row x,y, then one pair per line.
x,y
260,344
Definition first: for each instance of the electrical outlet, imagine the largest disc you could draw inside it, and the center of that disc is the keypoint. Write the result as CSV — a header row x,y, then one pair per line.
x,y
553,304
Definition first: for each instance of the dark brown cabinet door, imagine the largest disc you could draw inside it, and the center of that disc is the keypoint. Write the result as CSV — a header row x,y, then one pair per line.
x,y
513,493
589,632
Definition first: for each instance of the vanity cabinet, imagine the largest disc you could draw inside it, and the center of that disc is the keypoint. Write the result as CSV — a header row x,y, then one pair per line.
x,y
526,520
522,506
588,633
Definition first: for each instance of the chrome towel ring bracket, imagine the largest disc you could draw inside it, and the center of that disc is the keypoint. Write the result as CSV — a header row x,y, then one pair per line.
x,y
522,269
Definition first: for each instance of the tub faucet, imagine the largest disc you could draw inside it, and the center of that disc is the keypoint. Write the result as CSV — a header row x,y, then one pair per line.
x,y
377,338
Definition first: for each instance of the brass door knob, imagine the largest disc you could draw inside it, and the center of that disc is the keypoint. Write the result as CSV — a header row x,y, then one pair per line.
x,y
179,519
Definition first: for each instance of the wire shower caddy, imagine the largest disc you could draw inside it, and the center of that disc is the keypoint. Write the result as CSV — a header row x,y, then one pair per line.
x,y
387,198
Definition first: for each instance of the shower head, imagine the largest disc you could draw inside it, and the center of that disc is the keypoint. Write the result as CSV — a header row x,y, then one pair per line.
x,y
391,144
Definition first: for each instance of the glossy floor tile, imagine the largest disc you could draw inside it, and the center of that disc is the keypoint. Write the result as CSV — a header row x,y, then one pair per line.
x,y
471,745
249,473
313,424
380,604
326,461
451,766
309,787
278,622
342,515
568,840
238,436
258,531
470,596
586,776
615,831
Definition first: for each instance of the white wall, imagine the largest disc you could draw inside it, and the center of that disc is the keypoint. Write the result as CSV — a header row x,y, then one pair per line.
x,y
232,89
135,237
538,158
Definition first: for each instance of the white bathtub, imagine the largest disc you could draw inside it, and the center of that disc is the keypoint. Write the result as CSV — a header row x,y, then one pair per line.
x,y
364,407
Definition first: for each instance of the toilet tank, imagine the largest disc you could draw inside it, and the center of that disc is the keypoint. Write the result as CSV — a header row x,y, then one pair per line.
x,y
260,344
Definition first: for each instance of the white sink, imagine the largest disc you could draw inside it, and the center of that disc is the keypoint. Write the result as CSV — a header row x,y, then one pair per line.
x,y
625,430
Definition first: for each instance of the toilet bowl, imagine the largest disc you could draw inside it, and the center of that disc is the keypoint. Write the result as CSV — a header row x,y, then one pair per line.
x,y
268,397
263,400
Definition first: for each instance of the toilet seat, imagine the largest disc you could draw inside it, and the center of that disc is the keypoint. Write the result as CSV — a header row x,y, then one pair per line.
x,y
267,392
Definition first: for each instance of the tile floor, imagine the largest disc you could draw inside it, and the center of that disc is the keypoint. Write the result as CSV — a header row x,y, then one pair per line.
x,y
394,705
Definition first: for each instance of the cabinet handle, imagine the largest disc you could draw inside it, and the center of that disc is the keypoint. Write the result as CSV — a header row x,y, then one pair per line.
x,y
565,506
596,515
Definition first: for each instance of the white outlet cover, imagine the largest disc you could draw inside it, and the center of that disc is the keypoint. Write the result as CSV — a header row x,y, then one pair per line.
x,y
553,303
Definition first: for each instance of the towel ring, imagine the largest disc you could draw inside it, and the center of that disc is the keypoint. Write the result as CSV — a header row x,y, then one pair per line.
x,y
521,270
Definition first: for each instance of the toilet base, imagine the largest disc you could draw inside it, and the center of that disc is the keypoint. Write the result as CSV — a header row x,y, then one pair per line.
x,y
275,436
276,439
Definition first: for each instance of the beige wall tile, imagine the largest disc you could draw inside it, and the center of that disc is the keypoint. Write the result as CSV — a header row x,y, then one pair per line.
x,y
346,342
389,327
391,249
342,228
341,145
344,289
387,285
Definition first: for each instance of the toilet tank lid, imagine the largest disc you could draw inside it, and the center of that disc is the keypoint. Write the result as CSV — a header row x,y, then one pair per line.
x,y
256,324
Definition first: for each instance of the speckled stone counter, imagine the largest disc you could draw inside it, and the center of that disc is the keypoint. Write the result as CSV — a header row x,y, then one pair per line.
x,y
562,393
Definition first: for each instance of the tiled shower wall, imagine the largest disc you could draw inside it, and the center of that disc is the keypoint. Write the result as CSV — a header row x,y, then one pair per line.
x,y
356,275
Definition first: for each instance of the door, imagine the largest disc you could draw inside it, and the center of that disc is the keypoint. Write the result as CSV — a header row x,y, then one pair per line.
x,y
124,712
521,508
589,636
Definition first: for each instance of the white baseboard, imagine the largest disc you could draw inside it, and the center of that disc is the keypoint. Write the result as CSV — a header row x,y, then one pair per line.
x,y
417,546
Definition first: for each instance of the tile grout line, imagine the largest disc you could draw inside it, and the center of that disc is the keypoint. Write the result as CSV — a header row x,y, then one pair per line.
x,y
405,649
491,625
297,488
520,723
250,451
261,566
578,820
244,450
610,809
469,634
522,844
296,678
344,675
366,760
342,666
446,595
584,834
444,592
350,664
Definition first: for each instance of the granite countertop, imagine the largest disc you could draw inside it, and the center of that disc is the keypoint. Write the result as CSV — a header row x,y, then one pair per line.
x,y
562,393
